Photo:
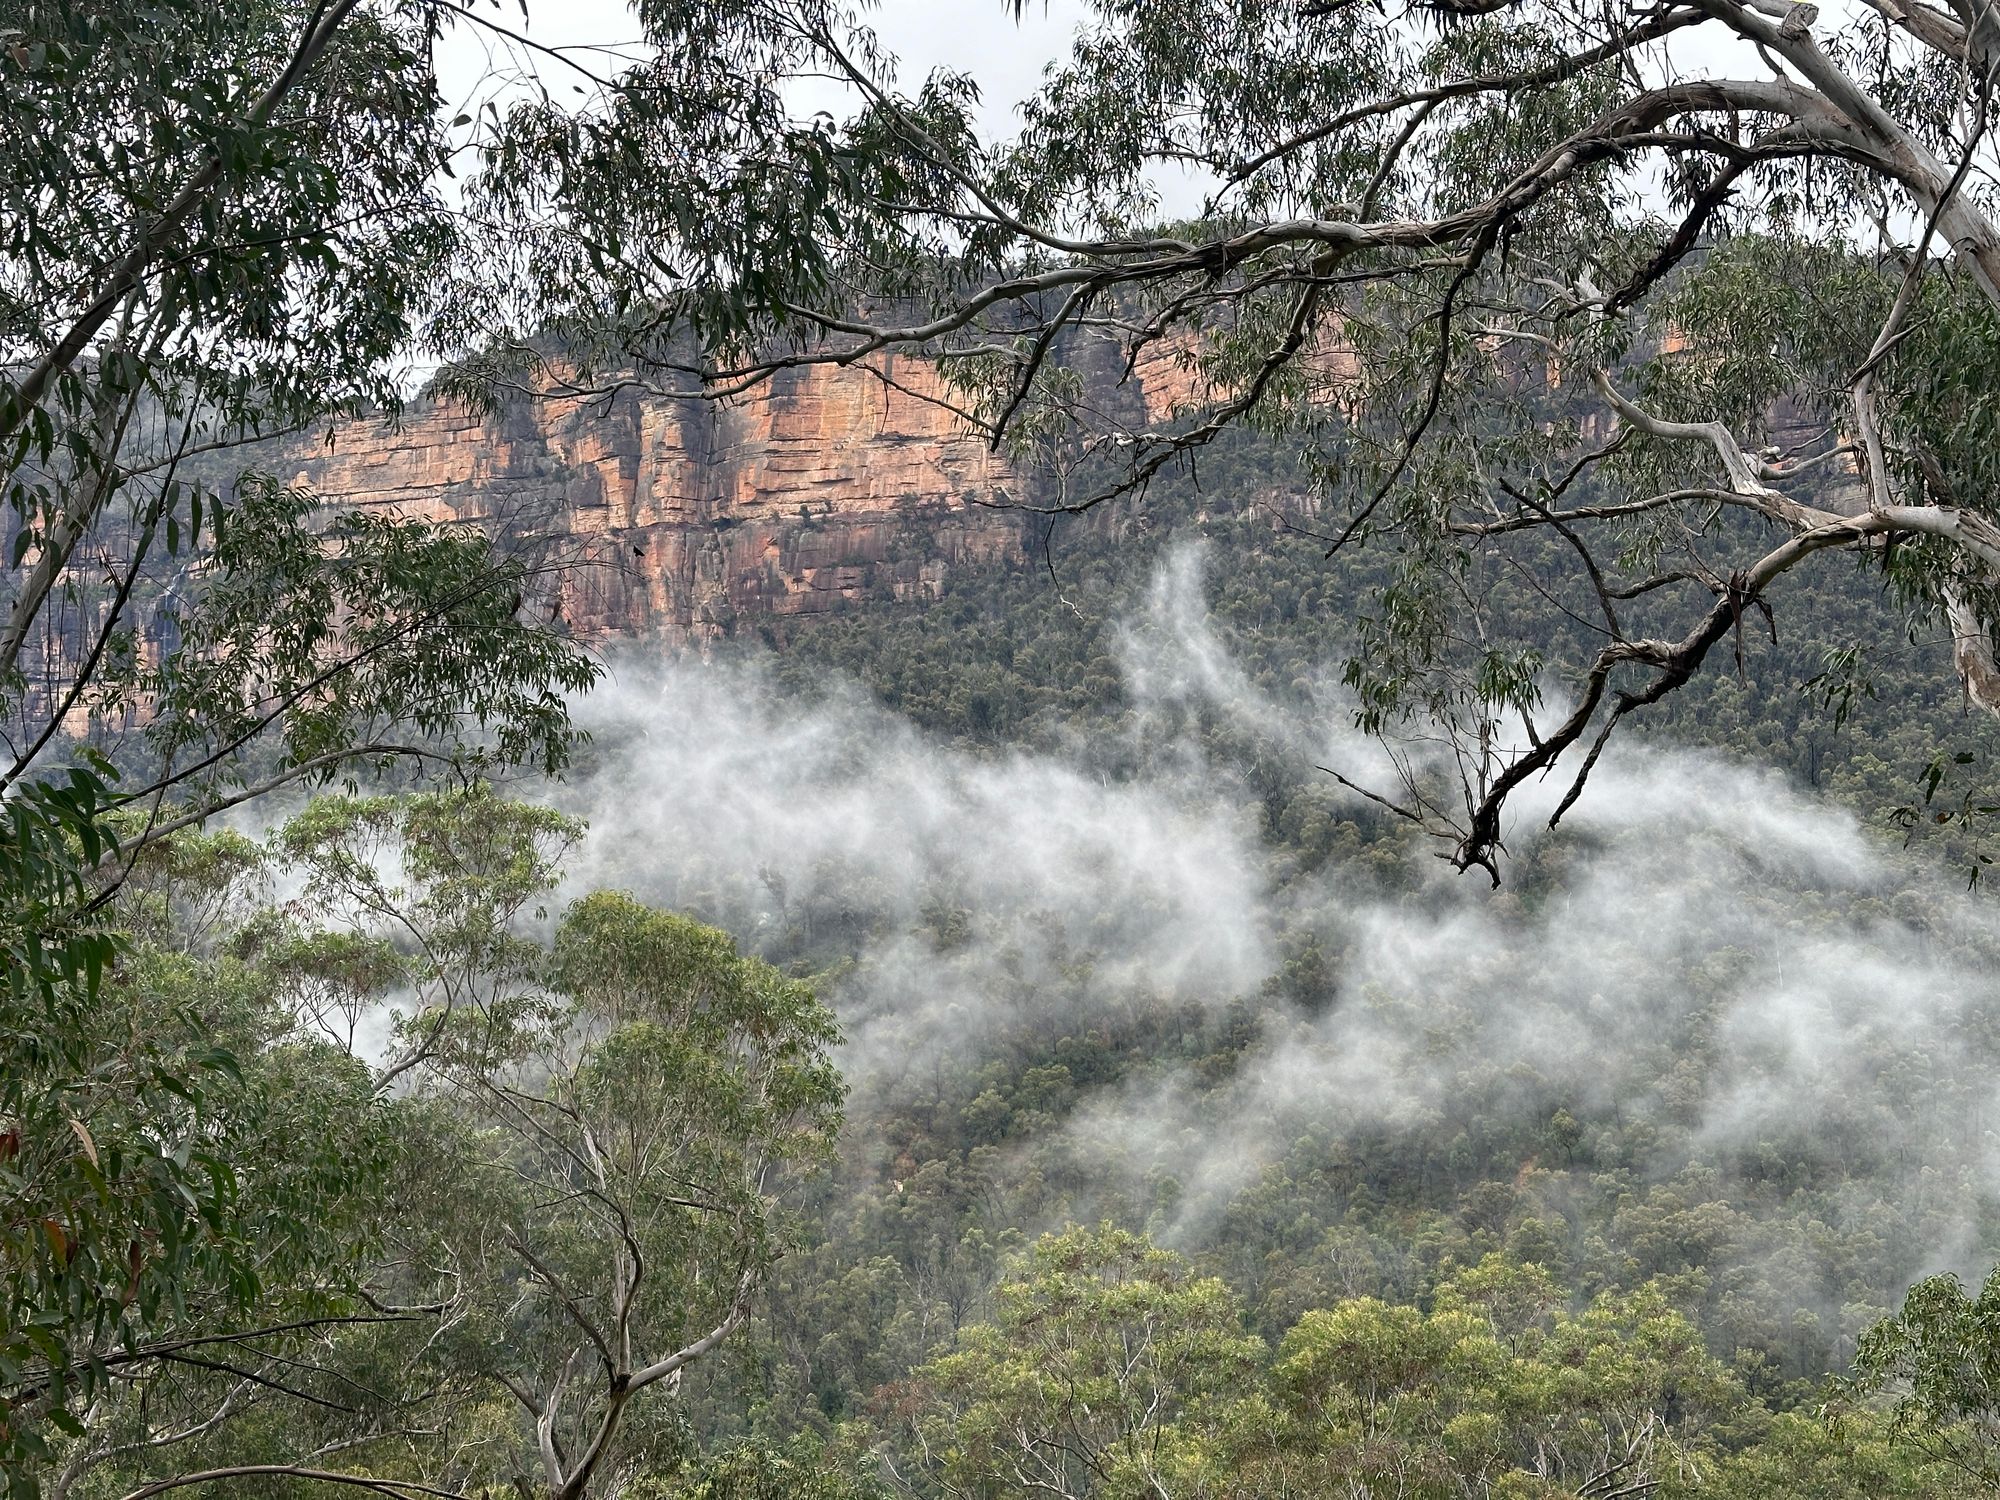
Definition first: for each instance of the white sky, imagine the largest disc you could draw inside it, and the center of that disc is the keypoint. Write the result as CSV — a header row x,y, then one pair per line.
x,y
978,37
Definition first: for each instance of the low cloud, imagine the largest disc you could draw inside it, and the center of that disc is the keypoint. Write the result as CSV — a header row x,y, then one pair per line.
x,y
974,891
1714,949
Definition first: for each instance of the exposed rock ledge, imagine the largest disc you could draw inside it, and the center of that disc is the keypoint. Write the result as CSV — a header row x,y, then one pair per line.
x,y
697,519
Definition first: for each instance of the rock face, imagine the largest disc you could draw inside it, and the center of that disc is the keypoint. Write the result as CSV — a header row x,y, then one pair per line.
x,y
694,519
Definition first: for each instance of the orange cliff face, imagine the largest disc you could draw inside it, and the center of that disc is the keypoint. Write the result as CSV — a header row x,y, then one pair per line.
x,y
1172,385
694,518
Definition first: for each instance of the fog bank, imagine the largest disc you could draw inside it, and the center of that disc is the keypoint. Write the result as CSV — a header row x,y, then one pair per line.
x,y
1703,945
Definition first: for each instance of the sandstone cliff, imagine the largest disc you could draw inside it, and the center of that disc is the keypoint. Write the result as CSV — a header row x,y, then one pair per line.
x,y
694,519
826,486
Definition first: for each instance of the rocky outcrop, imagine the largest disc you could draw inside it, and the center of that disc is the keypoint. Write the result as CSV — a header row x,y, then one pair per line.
x,y
693,519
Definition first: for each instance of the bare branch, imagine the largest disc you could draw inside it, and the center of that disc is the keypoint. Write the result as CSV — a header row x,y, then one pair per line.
x,y
396,1489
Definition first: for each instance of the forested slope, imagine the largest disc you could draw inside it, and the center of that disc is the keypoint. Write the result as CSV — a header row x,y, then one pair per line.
x,y
1009,655
1017,1033
1203,1132
1604,1069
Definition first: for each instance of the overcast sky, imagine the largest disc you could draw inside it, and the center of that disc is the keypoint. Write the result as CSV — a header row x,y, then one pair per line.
x,y
978,37
1007,57
982,38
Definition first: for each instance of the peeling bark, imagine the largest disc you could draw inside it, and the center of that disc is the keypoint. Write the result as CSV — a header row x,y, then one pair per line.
x,y
1972,653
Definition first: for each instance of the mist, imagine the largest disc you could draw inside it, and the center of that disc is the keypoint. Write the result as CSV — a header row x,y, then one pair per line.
x,y
1701,945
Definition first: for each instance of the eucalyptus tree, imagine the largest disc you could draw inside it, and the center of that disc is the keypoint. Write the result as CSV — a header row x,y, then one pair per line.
x,y
1939,1358
223,223
1112,1370
647,1122
1681,294
203,1258
496,1194
1108,1371
630,1100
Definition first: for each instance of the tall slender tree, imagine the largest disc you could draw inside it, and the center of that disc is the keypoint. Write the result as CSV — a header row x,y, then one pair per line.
x,y
224,223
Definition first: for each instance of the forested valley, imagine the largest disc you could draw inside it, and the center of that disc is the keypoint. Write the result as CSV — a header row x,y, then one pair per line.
x,y
1397,903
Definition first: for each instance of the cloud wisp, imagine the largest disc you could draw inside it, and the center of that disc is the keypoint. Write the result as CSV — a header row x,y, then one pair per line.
x,y
1703,944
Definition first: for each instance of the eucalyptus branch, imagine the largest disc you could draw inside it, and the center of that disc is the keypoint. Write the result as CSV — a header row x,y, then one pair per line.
x,y
154,234
394,1489
86,501
1674,664
1861,394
